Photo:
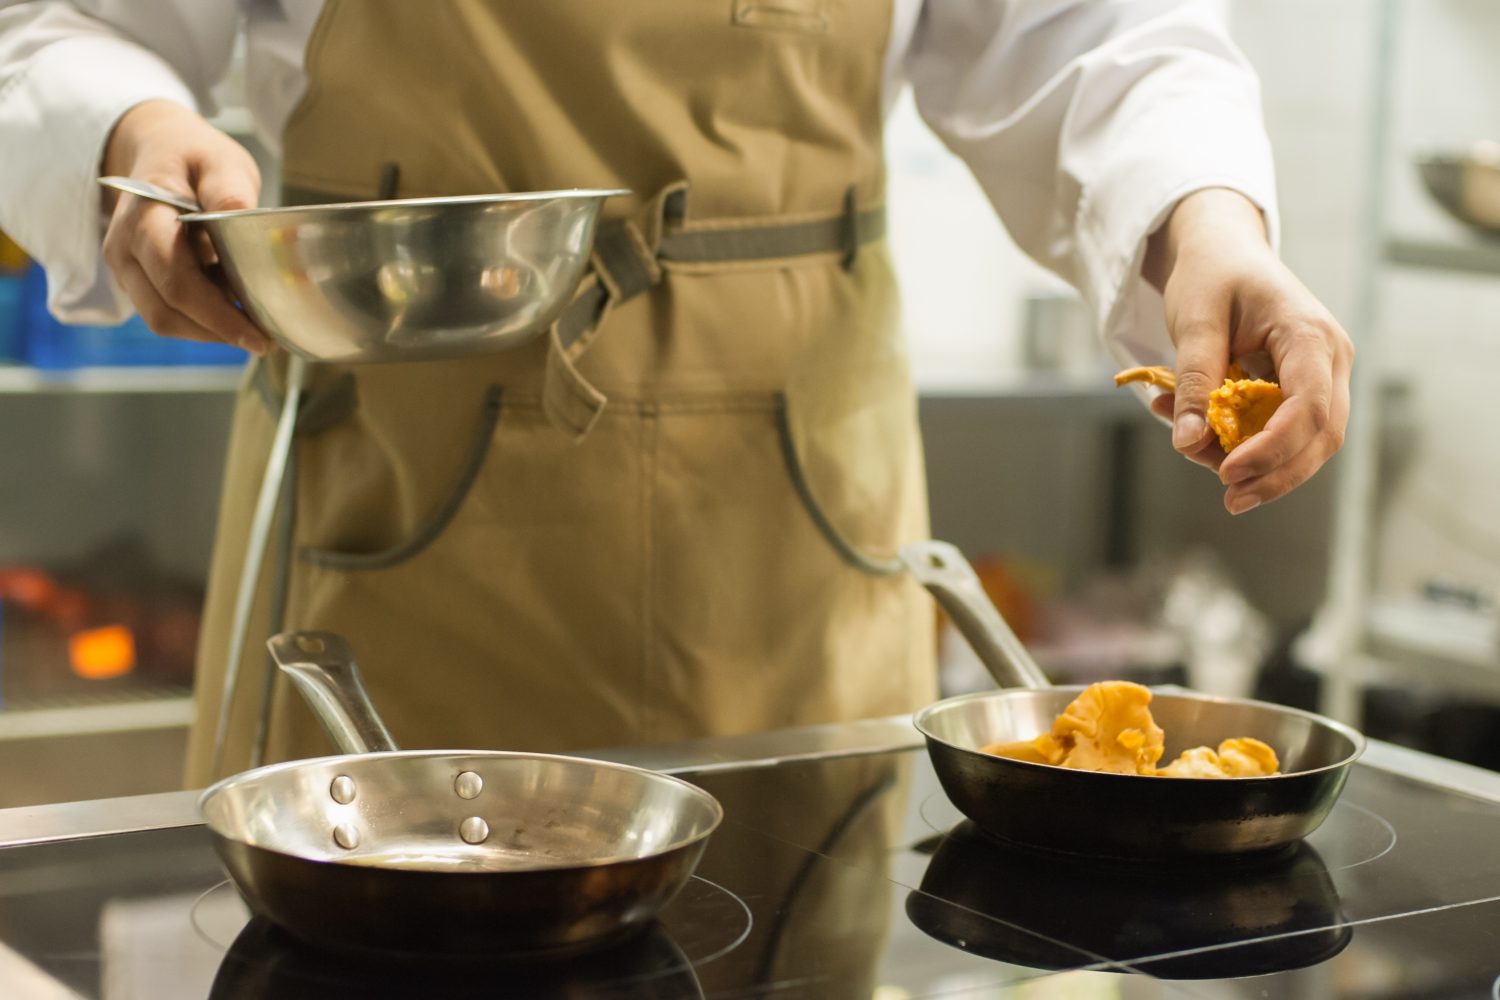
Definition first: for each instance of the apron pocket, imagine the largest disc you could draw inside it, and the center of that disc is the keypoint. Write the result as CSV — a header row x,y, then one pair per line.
x,y
428,532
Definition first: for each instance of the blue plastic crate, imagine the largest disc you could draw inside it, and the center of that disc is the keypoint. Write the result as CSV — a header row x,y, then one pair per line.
x,y
12,317
54,346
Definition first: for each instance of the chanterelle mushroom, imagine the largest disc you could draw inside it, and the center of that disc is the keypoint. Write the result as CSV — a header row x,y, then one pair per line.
x,y
1237,410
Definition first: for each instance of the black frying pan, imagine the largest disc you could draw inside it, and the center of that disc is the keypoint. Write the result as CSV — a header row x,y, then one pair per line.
x,y
1047,808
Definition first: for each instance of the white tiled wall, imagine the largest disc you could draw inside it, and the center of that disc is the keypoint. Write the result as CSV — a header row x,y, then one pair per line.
x,y
963,281
1439,332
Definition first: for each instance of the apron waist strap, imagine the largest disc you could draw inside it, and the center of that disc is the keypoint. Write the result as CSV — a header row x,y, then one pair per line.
x,y
631,255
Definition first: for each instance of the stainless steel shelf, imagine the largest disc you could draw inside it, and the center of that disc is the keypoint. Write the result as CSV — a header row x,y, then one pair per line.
x,y
172,710
1467,256
1457,635
1074,394
20,379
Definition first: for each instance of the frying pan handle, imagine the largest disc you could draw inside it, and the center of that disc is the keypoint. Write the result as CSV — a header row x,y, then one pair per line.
x,y
321,664
944,571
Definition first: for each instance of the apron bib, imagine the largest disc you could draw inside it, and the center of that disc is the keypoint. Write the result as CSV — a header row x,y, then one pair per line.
x,y
519,563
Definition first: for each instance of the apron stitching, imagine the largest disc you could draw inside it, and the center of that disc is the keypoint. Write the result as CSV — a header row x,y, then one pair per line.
x,y
846,549
440,518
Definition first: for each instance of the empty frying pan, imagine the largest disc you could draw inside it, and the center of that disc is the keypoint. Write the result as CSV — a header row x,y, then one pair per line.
x,y
447,850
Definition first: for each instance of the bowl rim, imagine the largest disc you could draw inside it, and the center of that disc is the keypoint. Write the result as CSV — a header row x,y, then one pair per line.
x,y
688,792
461,199
1359,742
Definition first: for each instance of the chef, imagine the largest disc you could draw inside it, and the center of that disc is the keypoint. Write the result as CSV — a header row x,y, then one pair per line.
x,y
675,515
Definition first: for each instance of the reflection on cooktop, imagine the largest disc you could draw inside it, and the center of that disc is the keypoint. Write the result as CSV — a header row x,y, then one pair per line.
x,y
1447,953
704,922
1352,835
816,887
985,898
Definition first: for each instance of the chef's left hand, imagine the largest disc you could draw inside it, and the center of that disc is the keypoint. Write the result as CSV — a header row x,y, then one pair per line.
x,y
1228,295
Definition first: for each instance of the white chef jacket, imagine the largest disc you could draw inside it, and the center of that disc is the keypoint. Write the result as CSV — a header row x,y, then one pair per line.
x,y
1084,121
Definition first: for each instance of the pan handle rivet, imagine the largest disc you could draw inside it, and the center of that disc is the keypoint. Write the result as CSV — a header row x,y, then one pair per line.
x,y
346,836
468,784
342,789
474,830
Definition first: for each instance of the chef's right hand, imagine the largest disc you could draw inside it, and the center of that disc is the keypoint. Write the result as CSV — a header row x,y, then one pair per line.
x,y
159,263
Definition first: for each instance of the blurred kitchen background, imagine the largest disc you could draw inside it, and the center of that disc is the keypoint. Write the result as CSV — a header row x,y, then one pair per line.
x,y
1370,593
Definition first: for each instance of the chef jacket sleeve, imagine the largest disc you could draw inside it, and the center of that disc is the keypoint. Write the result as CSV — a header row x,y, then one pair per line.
x,y
68,71
1086,121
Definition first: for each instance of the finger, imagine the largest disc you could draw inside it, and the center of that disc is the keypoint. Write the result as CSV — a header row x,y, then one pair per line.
x,y
1202,355
164,253
1306,369
226,183
1247,495
1251,493
154,310
1208,454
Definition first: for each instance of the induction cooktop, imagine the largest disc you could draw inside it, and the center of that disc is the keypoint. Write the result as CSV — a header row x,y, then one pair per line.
x,y
848,876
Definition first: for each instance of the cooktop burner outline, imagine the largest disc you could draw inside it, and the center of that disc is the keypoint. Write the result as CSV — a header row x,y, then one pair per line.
x,y
1330,832
721,895
938,802
1352,924
195,916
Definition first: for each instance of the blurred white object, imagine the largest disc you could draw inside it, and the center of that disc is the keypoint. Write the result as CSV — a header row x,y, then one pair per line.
x,y
1057,335
140,937
1226,639
24,981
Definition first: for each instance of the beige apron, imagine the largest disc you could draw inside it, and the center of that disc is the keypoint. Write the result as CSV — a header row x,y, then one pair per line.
x,y
518,563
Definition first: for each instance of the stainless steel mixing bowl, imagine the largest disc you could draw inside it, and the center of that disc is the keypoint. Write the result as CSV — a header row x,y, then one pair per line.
x,y
409,279
1466,184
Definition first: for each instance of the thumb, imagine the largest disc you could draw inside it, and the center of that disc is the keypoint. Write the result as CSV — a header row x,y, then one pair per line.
x,y
1202,357
227,183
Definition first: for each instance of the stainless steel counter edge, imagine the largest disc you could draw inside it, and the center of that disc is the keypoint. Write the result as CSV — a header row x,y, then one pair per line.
x,y
103,817
136,813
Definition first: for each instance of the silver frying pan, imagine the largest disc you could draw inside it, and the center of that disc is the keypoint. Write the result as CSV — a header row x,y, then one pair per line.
x,y
447,851
1041,807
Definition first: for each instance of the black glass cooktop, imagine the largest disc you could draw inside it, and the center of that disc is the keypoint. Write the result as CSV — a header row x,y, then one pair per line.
x,y
846,877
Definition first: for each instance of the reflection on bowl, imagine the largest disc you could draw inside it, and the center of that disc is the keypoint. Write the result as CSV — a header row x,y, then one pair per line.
x,y
1010,906
266,962
410,279
1467,185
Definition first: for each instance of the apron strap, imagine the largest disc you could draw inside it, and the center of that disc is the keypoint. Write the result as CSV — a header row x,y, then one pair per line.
x,y
321,409
623,265
631,256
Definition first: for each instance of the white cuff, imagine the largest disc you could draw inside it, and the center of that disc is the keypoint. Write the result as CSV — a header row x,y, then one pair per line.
x,y
56,115
1134,197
